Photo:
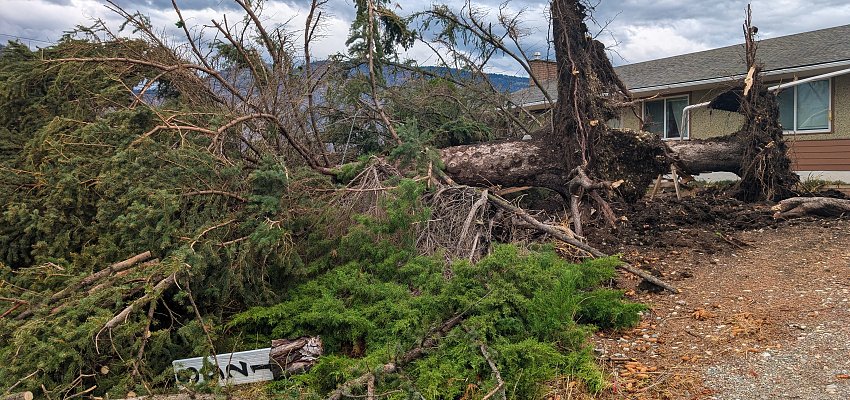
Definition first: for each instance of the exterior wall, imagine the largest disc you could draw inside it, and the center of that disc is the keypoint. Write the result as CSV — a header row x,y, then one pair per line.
x,y
704,123
820,155
543,70
630,120
707,123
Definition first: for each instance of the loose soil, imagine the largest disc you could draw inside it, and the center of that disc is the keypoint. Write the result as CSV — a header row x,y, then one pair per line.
x,y
763,311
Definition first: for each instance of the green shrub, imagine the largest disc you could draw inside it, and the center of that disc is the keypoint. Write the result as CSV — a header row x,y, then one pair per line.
x,y
531,308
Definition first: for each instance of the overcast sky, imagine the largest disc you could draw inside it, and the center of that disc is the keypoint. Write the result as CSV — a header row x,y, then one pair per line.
x,y
637,30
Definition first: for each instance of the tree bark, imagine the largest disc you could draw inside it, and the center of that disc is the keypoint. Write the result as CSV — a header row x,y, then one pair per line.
x,y
634,157
295,356
820,206
17,396
722,154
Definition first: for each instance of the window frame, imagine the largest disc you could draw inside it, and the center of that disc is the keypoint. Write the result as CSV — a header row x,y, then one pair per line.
x,y
829,112
687,97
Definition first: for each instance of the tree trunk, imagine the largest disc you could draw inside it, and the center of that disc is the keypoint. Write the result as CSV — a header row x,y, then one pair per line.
x,y
722,154
633,157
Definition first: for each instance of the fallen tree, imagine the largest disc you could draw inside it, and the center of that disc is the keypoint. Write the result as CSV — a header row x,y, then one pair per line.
x,y
586,162
635,157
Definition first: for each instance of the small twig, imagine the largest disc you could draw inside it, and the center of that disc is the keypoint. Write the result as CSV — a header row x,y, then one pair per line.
x,y
81,393
12,309
9,390
500,384
218,192
205,231
122,316
203,324
471,216
145,337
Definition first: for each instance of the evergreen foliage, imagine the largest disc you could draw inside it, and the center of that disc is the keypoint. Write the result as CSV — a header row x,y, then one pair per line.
x,y
379,299
258,253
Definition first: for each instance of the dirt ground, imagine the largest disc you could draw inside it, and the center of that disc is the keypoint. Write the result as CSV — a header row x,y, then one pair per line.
x,y
763,313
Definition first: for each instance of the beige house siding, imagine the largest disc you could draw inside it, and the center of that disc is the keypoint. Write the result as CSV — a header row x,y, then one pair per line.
x,y
707,123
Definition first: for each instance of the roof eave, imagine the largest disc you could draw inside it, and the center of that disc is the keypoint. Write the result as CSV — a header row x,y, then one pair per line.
x,y
710,81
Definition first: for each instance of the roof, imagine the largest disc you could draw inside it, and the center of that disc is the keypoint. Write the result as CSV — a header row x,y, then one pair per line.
x,y
781,53
822,47
532,96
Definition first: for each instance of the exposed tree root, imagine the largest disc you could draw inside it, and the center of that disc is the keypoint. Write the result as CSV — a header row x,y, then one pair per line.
x,y
820,206
765,167
560,235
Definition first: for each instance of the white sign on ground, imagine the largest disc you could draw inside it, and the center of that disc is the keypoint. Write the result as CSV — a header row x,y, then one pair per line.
x,y
234,368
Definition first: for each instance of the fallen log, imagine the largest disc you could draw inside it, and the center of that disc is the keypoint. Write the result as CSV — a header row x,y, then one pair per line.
x,y
294,356
17,396
820,206
637,158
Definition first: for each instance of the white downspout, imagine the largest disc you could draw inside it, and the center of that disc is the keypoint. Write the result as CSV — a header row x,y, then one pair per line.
x,y
686,115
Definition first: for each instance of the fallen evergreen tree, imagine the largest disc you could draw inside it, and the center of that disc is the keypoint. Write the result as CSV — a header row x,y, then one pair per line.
x,y
120,255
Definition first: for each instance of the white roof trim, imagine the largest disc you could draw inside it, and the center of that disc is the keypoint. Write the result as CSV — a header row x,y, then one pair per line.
x,y
791,70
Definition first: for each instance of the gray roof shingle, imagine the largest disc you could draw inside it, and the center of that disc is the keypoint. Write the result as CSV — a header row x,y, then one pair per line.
x,y
803,49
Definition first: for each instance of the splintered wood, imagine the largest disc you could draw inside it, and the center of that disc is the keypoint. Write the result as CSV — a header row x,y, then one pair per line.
x,y
295,356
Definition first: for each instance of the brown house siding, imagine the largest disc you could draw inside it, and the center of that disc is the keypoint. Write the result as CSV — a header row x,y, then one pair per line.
x,y
820,155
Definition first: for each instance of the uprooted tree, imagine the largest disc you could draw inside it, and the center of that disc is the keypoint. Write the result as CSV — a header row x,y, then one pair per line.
x,y
580,158
583,159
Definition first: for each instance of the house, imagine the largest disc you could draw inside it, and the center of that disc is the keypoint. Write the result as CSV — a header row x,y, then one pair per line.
x,y
815,114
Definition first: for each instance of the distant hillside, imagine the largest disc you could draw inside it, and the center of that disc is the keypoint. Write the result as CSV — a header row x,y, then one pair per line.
x,y
503,83
508,83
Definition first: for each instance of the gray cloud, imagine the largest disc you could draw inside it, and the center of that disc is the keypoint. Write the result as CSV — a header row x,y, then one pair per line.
x,y
636,30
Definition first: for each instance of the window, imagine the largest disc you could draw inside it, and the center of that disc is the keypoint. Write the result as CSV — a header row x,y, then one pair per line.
x,y
664,117
805,108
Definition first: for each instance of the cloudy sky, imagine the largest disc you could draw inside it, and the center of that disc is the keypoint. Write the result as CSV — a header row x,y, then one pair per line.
x,y
636,30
